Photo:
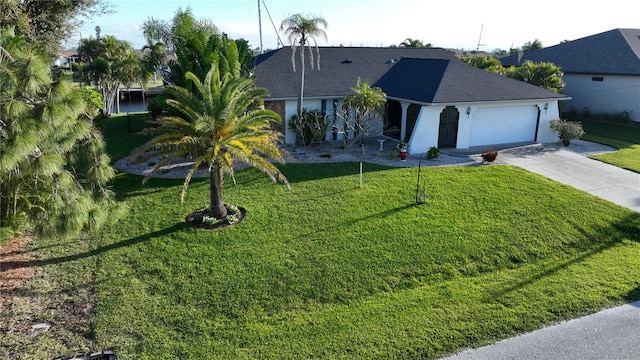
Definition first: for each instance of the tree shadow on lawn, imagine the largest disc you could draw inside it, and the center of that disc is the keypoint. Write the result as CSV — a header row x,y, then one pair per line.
x,y
130,185
124,243
626,227
346,224
301,172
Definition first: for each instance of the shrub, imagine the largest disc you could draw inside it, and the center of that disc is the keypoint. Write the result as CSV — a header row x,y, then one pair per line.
x,y
157,106
314,125
433,153
567,130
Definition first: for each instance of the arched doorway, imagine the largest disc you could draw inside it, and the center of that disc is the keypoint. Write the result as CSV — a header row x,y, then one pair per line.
x,y
393,119
448,132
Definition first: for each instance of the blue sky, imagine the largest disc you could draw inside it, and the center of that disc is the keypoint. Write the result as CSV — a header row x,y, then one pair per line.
x,y
443,23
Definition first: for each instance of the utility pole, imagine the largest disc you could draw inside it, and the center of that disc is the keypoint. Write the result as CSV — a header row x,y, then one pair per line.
x,y
260,25
480,38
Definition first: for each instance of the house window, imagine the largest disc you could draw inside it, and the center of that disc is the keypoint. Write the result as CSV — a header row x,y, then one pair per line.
x,y
597,78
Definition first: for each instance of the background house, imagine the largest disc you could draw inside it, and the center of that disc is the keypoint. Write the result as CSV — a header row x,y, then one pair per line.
x,y
601,72
433,99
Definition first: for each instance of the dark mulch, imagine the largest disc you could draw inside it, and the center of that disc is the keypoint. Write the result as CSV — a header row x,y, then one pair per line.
x,y
195,219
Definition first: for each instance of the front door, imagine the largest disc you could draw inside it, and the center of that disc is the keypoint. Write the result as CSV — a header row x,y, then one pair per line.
x,y
448,133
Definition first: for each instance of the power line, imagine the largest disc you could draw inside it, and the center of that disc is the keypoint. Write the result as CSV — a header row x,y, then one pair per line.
x,y
280,43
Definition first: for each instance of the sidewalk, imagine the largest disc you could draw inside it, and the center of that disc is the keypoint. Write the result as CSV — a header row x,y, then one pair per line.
x,y
608,334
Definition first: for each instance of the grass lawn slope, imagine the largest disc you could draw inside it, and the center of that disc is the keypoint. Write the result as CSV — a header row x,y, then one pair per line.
x,y
326,270
332,270
624,135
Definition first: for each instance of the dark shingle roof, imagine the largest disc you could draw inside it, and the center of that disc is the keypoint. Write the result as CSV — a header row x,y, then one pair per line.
x,y
615,52
452,81
340,68
428,75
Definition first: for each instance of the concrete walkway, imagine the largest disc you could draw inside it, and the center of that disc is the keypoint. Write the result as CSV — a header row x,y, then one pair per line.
x,y
570,166
609,334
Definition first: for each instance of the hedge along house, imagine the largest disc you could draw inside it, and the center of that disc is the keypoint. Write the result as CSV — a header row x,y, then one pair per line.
x,y
601,71
433,99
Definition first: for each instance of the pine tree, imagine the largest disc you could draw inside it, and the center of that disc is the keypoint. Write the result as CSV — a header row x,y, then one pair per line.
x,y
54,168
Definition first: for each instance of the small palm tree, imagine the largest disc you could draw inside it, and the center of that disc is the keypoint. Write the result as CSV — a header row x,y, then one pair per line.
x,y
300,30
216,123
365,103
414,43
531,46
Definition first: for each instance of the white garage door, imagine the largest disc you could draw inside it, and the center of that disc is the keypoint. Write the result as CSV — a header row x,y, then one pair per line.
x,y
503,125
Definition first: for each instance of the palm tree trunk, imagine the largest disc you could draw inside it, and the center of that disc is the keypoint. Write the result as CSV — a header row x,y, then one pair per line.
x,y
299,120
216,205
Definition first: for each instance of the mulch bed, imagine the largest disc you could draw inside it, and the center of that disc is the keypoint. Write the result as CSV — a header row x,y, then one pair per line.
x,y
193,220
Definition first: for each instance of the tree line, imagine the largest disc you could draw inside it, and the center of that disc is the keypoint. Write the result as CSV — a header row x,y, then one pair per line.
x,y
544,74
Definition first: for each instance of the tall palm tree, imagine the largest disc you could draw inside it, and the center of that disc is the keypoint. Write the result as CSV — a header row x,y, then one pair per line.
x,y
177,33
153,56
217,123
300,30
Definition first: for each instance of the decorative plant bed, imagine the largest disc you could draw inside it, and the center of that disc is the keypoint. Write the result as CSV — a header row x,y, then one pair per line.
x,y
200,220
489,155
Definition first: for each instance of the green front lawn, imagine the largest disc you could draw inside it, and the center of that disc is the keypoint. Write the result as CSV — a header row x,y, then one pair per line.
x,y
328,269
623,135
331,270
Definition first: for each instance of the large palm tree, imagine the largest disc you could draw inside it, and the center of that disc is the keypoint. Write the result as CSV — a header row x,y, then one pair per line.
x,y
216,123
300,30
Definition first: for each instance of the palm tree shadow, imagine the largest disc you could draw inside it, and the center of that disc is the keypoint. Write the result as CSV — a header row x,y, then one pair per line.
x,y
347,224
100,250
626,226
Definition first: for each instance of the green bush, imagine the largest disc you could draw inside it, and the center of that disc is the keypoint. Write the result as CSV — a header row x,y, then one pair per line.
x,y
433,153
157,106
567,130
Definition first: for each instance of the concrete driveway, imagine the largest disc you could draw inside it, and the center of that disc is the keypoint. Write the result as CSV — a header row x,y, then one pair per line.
x,y
571,166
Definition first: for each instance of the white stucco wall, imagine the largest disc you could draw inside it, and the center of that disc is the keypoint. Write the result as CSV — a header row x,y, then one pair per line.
x,y
375,128
545,134
290,108
425,133
613,95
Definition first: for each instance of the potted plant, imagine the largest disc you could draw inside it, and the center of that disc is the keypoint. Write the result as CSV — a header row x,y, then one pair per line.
x,y
403,149
489,155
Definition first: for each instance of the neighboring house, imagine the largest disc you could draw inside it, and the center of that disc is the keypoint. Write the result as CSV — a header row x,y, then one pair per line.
x,y
601,72
65,58
433,99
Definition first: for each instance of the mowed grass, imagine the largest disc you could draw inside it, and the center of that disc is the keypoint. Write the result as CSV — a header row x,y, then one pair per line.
x,y
332,270
623,135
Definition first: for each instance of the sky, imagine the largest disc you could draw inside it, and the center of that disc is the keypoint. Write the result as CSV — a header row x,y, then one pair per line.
x,y
459,24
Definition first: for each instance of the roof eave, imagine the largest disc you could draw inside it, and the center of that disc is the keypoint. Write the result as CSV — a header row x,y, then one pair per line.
x,y
563,98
